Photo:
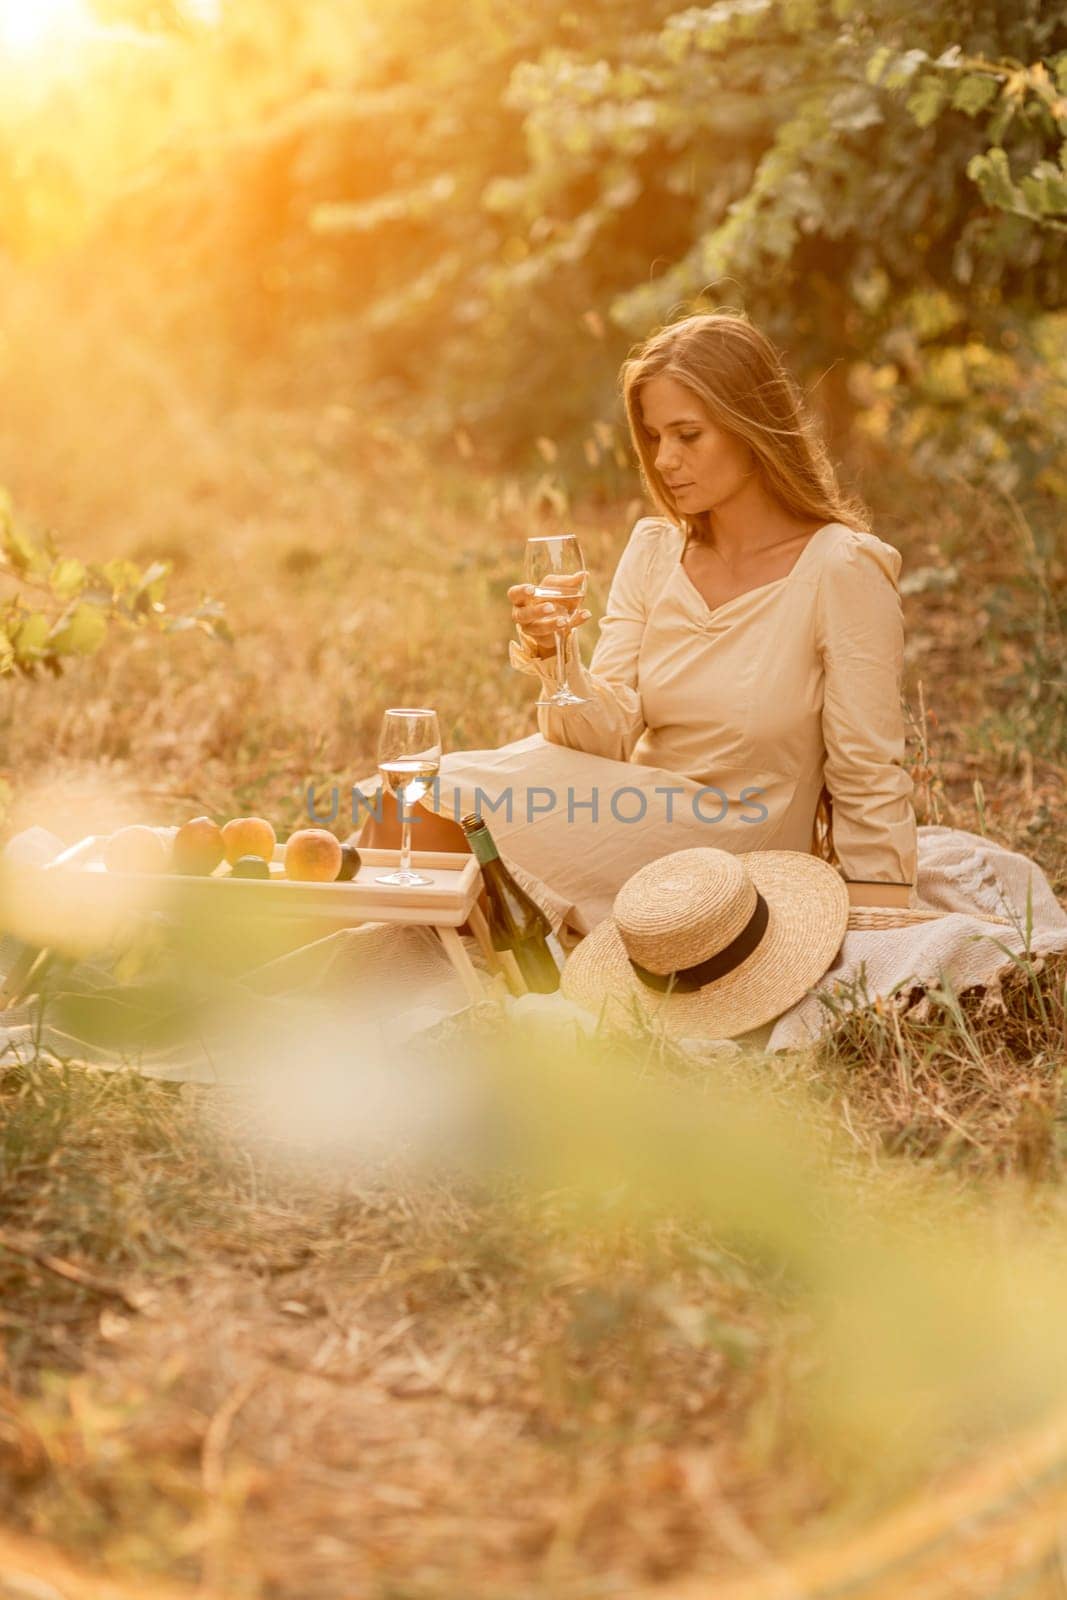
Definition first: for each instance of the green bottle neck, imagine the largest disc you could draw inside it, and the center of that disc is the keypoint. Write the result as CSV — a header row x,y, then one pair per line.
x,y
481,842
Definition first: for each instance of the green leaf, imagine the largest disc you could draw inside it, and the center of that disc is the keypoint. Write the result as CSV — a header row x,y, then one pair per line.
x,y
974,92
123,576
993,176
931,313
854,110
1045,189
902,68
67,577
152,576
870,287
30,637
877,64
1000,121
82,633
152,587
928,101
19,549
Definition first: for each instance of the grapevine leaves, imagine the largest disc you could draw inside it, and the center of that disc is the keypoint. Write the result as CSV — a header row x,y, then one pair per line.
x,y
58,606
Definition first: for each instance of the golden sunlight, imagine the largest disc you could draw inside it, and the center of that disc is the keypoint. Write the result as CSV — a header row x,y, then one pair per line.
x,y
27,26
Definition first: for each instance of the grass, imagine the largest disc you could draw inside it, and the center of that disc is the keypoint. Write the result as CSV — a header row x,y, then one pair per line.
x,y
385,1381
277,1377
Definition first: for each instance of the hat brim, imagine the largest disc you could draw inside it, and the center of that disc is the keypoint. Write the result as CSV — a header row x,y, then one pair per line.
x,y
808,907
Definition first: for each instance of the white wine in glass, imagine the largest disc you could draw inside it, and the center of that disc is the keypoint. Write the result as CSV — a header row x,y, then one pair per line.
x,y
556,568
409,759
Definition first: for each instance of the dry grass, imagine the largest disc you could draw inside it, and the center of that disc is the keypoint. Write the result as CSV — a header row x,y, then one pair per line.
x,y
378,1387
378,1383
385,1387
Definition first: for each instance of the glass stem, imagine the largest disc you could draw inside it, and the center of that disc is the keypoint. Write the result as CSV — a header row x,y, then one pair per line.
x,y
560,667
405,837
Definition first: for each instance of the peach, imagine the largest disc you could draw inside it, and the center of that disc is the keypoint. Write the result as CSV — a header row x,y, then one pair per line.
x,y
313,855
198,846
135,849
248,836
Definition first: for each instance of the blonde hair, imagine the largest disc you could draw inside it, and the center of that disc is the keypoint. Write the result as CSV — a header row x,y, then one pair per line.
x,y
738,375
742,382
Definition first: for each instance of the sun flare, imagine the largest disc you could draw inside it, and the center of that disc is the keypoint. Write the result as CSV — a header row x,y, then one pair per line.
x,y
27,26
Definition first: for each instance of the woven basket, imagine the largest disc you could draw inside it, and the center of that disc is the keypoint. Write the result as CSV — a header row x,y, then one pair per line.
x,y
865,917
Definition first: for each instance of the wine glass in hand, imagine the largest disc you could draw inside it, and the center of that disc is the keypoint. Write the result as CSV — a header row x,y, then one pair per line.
x,y
409,759
556,569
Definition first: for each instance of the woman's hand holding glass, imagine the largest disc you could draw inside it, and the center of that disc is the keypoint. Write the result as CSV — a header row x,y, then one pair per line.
x,y
549,604
540,620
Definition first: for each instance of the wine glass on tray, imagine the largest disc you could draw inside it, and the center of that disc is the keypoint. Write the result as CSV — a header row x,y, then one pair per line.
x,y
409,759
556,569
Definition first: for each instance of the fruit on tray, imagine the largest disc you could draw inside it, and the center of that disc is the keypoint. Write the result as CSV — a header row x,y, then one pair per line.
x,y
248,836
313,855
198,847
250,867
136,849
350,859
247,844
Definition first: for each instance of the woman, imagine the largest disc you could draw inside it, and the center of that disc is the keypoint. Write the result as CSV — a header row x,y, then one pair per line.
x,y
745,689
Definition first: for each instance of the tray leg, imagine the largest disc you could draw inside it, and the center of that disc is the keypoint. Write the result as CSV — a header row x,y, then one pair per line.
x,y
501,962
462,962
480,929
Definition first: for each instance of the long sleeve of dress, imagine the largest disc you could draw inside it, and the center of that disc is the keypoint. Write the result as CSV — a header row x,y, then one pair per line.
x,y
612,721
860,639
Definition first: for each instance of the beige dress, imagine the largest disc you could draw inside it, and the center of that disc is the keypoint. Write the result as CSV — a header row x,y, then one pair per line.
x,y
712,727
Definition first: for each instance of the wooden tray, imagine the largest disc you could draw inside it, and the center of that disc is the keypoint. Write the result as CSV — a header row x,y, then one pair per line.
x,y
445,902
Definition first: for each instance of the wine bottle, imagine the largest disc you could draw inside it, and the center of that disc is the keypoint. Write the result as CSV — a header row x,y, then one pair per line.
x,y
518,928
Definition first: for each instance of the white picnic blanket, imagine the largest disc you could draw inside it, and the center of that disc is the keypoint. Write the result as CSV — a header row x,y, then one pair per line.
x,y
972,879
397,981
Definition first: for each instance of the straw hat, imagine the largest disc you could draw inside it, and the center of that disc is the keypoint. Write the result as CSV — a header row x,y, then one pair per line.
x,y
705,942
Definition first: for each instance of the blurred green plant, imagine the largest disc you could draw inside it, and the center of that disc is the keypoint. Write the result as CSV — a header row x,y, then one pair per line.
x,y
880,187
59,608
888,1319
1026,645
468,214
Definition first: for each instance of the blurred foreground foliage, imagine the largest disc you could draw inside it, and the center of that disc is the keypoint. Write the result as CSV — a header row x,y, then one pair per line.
x,y
467,213
54,607
617,1246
